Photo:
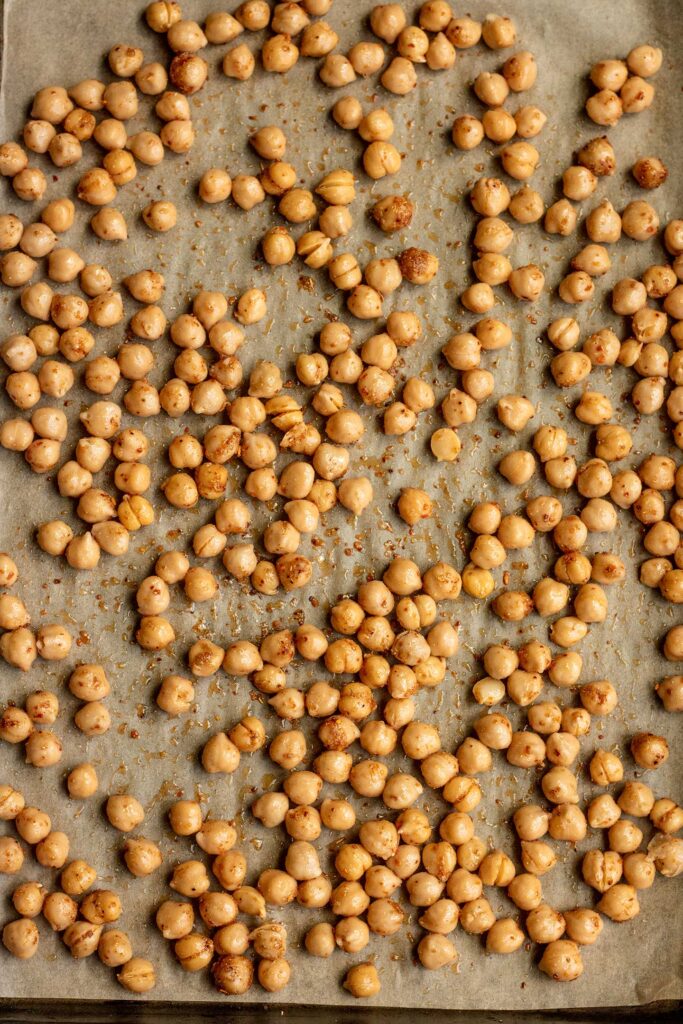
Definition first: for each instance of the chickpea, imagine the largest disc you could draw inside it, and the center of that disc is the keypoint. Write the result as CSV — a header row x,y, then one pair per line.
x,y
124,812
525,891
38,135
583,925
28,899
648,750
561,960
529,121
505,936
526,205
82,782
476,916
29,184
337,71
114,948
160,215
620,902
362,981
20,938
624,836
12,159
670,690
137,975
605,107
605,768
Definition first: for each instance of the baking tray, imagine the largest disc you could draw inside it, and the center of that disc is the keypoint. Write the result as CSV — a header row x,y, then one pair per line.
x,y
218,250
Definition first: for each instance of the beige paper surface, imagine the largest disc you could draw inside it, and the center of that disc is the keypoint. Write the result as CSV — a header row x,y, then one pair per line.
x,y
154,757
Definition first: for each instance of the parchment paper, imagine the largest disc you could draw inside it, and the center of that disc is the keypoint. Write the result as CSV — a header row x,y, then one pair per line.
x,y
155,757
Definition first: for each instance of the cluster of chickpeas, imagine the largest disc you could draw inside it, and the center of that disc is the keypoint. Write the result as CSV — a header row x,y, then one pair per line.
x,y
604,226
434,42
497,534
498,125
367,289
490,196
43,747
459,863
519,676
623,86
365,642
110,520
74,909
19,644
310,488
643,350
222,910
370,368
73,111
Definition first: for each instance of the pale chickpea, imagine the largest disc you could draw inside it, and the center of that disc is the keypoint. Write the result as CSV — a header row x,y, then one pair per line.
x,y
38,135
137,975
12,159
605,107
366,58
636,95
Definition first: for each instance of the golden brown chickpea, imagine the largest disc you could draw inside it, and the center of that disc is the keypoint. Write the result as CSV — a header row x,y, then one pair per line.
x,y
636,95
114,948
12,159
11,855
583,925
525,891
561,960
232,973
399,77
609,74
43,749
362,981
505,936
137,975
124,812
529,121
620,902
476,916
160,215
28,899
20,938
436,951
59,910
648,750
